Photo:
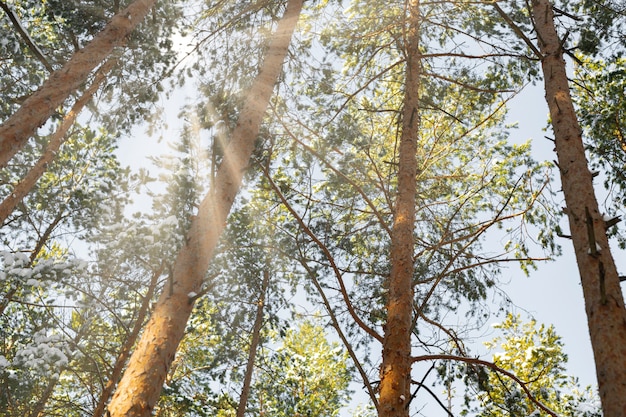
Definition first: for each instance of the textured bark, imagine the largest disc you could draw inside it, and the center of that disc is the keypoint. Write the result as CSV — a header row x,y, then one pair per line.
x,y
254,344
604,302
38,108
395,379
140,387
58,138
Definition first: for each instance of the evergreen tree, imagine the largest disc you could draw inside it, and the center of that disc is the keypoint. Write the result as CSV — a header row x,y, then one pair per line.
x,y
39,106
155,351
305,375
385,167
604,301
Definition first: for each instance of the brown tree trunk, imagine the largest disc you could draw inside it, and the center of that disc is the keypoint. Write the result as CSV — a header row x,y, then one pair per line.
x,y
38,108
56,140
140,387
254,344
395,370
604,302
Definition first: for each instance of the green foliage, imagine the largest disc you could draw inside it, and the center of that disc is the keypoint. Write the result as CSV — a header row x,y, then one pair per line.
x,y
305,376
469,177
599,96
329,145
534,353
206,377
20,71
58,29
601,27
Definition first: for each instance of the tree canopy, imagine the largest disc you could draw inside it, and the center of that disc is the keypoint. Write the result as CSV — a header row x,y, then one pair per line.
x,y
333,217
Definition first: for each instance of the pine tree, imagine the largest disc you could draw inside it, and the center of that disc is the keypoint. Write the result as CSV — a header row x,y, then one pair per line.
x,y
38,107
140,387
604,302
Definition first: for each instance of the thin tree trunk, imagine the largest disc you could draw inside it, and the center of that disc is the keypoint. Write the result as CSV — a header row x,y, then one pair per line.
x,y
395,370
604,302
38,108
140,387
128,345
58,138
254,344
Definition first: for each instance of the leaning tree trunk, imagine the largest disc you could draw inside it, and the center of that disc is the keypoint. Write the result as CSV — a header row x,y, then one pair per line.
x,y
604,302
395,370
140,387
57,139
38,108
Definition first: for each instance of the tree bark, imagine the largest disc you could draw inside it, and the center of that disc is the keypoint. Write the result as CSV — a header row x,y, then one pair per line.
x,y
254,344
604,302
395,371
38,108
140,386
58,138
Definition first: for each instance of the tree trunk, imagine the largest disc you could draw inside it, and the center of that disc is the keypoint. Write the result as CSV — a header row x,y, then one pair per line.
x,y
140,387
56,140
38,108
254,344
395,371
604,302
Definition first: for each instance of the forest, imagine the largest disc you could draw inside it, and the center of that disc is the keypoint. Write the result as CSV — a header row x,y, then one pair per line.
x,y
328,228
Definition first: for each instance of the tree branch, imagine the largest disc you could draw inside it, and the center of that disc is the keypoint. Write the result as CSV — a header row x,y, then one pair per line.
x,y
492,366
517,30
25,36
343,290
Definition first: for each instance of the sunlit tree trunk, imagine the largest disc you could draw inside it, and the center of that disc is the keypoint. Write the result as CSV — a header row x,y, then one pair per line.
x,y
604,301
54,144
395,371
38,108
140,386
